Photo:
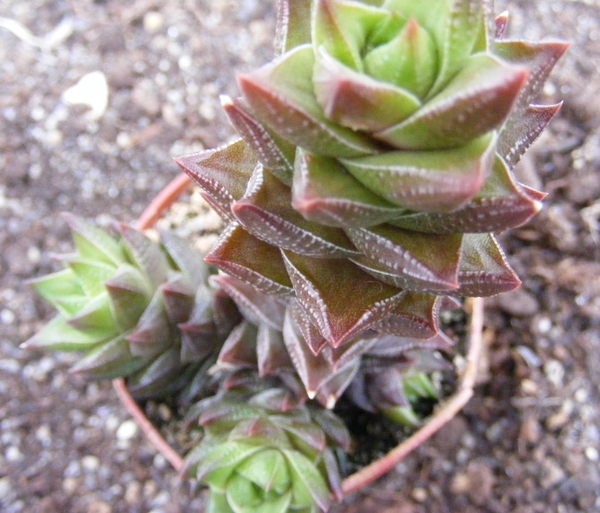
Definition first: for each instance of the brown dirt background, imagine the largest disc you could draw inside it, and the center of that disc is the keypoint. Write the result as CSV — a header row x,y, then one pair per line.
x,y
530,439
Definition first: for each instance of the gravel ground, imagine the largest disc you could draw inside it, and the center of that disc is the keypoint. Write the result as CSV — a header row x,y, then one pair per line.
x,y
528,442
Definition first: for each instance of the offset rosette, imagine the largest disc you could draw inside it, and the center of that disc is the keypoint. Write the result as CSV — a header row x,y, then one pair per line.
x,y
265,452
374,166
136,308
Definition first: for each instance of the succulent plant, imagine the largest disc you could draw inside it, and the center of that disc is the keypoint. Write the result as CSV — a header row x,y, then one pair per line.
x,y
264,451
136,308
374,166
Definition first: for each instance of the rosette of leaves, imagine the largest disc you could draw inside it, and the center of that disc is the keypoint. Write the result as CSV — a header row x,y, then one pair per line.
x,y
135,308
374,166
264,451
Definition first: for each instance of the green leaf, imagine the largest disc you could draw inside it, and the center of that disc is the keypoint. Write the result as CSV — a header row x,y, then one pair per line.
x,y
249,259
308,485
59,335
275,153
221,173
217,467
267,470
340,299
164,376
499,205
462,27
145,254
153,333
324,192
431,181
539,58
129,294
62,290
342,29
281,95
424,260
186,259
408,61
91,275
293,25
477,100
484,270
358,101
217,503
109,361
239,350
93,243
266,212
96,316
415,316
256,306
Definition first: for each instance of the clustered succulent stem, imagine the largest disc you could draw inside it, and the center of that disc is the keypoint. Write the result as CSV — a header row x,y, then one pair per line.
x,y
373,169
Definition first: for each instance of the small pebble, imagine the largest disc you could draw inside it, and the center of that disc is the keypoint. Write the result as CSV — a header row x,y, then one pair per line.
x,y
99,507
592,454
153,21
127,430
13,454
420,495
90,463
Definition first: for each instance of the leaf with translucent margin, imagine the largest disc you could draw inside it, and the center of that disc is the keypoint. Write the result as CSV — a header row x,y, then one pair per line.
x,y
276,154
539,58
501,204
178,298
340,299
185,258
222,174
358,101
91,274
308,485
314,370
415,316
266,212
239,349
484,270
129,294
145,254
431,181
342,29
324,192
281,95
430,261
164,376
108,361
62,290
249,259
312,336
394,346
519,133
152,334
256,306
96,316
93,243
59,335
408,61
293,25
477,100
272,356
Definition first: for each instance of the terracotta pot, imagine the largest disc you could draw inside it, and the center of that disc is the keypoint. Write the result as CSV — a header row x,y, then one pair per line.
x,y
444,412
